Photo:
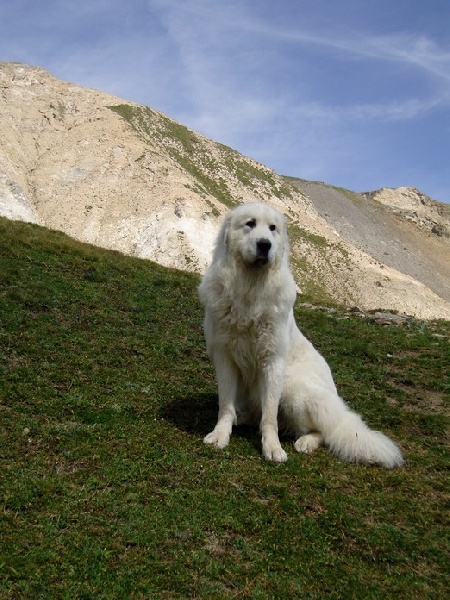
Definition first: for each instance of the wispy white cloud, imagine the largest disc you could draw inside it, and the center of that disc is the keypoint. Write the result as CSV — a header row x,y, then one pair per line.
x,y
414,50
217,69
311,90
383,112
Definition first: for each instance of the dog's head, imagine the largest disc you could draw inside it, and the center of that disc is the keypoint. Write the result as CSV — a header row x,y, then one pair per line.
x,y
254,235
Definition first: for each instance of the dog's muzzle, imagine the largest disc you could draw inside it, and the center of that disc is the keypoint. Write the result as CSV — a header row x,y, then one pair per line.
x,y
263,247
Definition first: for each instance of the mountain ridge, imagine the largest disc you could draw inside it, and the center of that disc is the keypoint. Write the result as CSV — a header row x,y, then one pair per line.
x,y
126,177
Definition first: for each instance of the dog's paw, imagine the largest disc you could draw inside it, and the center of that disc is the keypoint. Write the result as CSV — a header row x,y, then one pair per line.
x,y
308,443
217,438
274,453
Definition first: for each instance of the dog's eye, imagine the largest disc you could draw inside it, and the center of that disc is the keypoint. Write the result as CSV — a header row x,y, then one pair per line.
x,y
251,223
272,227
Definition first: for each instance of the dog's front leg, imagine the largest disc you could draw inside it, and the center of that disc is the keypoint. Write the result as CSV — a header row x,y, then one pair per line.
x,y
271,389
227,382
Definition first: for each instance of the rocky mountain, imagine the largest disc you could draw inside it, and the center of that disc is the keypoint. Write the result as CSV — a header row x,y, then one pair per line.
x,y
126,177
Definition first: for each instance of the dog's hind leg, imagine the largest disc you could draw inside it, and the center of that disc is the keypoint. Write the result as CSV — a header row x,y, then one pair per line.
x,y
309,442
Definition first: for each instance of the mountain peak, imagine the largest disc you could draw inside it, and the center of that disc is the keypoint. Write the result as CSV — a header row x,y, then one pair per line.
x,y
127,177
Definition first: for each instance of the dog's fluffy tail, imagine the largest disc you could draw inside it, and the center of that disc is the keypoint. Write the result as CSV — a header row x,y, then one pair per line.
x,y
351,440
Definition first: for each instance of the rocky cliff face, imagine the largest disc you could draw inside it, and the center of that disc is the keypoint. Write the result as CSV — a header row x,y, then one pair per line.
x,y
127,177
417,208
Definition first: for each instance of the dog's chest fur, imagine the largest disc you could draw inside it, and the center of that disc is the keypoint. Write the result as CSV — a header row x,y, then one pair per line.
x,y
249,325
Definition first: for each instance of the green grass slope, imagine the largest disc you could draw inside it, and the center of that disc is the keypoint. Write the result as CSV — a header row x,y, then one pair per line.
x,y
107,490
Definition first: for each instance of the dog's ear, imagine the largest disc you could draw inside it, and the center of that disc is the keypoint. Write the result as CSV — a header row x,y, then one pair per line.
x,y
225,231
222,237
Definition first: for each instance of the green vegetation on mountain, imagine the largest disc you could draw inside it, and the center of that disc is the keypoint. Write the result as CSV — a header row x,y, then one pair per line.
x,y
197,157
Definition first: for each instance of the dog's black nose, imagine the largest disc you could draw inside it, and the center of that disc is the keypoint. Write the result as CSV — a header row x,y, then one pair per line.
x,y
263,247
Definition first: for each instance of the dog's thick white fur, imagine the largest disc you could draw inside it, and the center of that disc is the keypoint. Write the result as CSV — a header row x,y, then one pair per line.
x,y
267,371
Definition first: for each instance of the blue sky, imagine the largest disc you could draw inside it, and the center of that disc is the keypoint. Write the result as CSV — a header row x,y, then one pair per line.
x,y
352,92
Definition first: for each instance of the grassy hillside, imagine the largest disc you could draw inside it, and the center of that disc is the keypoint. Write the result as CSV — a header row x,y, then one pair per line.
x,y
107,490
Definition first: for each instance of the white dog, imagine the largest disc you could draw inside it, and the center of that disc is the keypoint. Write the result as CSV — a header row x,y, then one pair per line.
x,y
267,371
